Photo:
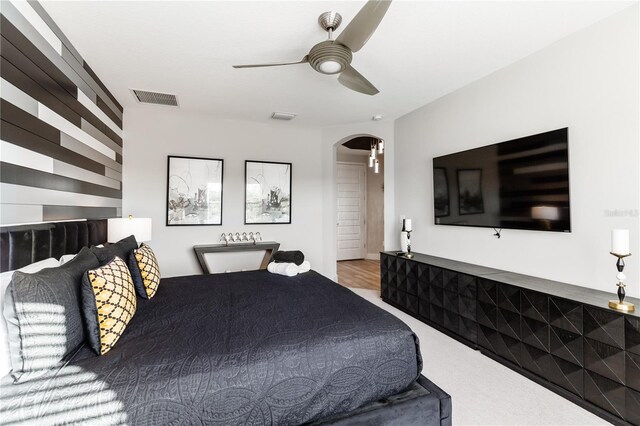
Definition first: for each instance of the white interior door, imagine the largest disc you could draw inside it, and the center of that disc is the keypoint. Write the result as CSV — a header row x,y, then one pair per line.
x,y
350,206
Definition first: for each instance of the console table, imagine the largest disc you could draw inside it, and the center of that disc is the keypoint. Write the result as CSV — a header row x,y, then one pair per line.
x,y
270,247
562,336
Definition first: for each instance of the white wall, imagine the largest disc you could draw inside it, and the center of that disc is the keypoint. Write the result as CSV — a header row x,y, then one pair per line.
x,y
587,82
153,133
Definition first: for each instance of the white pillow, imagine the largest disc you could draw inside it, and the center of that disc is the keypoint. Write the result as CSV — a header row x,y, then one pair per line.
x,y
5,279
65,258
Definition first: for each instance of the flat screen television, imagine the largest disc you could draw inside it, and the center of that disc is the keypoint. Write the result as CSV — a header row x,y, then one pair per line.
x,y
518,184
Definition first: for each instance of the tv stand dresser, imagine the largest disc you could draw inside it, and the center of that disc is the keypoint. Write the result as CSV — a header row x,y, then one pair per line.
x,y
562,336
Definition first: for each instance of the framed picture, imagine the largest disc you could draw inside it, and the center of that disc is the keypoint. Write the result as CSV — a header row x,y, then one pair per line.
x,y
470,191
267,193
194,191
440,192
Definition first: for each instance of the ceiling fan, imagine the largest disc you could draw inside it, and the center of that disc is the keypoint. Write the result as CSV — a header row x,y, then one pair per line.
x,y
334,56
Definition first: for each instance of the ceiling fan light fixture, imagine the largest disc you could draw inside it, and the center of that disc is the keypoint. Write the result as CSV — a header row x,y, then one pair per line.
x,y
328,57
330,67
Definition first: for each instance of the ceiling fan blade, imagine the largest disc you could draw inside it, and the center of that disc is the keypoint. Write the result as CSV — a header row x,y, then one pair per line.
x,y
355,81
356,34
303,61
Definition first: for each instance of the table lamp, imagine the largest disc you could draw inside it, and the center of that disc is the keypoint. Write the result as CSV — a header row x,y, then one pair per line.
x,y
119,228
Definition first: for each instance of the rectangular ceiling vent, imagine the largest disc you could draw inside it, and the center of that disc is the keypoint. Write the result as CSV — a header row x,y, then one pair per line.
x,y
156,98
287,116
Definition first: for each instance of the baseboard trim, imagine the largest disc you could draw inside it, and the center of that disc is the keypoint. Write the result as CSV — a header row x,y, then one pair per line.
x,y
372,256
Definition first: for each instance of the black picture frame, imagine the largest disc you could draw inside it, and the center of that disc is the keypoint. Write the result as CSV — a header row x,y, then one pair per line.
x,y
470,200
441,205
256,206
188,186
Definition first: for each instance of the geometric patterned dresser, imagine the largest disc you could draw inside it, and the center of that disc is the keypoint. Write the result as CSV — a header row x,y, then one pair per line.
x,y
562,336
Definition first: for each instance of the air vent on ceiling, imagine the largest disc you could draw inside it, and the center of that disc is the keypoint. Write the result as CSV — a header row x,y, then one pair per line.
x,y
283,116
156,98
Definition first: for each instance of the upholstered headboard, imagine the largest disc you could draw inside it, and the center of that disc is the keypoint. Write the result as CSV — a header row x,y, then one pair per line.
x,y
24,244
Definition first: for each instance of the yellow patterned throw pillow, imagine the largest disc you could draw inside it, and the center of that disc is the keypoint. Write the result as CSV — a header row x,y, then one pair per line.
x,y
144,271
109,302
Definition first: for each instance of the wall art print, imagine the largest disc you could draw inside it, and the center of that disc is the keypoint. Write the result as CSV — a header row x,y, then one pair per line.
x,y
194,191
267,192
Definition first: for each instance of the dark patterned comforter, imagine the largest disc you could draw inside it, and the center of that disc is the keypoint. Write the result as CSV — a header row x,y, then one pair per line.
x,y
239,348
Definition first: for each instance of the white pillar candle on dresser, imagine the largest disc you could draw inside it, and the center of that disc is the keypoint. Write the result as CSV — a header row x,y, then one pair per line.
x,y
620,241
407,225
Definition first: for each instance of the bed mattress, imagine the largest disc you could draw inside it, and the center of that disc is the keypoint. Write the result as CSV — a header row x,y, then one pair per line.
x,y
237,348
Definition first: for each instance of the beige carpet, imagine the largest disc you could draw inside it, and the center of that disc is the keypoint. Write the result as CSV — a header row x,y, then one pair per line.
x,y
483,391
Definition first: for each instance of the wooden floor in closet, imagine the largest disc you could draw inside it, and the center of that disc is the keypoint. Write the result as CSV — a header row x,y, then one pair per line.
x,y
360,273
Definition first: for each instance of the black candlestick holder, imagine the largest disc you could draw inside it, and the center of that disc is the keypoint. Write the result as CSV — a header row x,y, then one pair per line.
x,y
620,304
409,254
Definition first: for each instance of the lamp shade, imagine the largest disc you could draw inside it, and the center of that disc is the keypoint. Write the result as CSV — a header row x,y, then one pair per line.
x,y
119,228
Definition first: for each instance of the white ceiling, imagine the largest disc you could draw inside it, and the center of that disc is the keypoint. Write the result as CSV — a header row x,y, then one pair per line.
x,y
421,51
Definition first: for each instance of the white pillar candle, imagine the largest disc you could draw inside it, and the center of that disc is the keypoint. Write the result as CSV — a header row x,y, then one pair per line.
x,y
407,225
620,241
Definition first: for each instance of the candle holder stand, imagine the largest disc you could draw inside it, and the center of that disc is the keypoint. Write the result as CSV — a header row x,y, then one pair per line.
x,y
409,254
620,304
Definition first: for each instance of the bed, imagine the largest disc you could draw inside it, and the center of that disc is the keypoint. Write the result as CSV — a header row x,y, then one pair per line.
x,y
241,348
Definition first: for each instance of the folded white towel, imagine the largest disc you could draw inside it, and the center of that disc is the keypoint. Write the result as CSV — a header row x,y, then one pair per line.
x,y
288,269
304,267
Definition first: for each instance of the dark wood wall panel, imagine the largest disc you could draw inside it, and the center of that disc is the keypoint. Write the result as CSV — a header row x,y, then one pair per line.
x,y
34,90
67,63
19,175
109,113
13,55
13,35
99,100
40,77
24,120
50,90
51,213
35,143
117,118
56,30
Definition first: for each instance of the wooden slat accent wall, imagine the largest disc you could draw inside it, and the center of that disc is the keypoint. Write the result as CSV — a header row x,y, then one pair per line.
x,y
60,128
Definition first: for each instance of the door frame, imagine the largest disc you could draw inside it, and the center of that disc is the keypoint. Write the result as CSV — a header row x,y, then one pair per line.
x,y
363,211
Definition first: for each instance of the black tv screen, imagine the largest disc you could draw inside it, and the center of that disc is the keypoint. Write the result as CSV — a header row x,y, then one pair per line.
x,y
518,184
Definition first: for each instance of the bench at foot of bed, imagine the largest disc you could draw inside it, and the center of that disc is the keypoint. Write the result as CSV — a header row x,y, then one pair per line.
x,y
423,403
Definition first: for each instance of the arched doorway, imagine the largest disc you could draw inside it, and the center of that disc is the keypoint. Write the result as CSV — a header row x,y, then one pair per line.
x,y
359,210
